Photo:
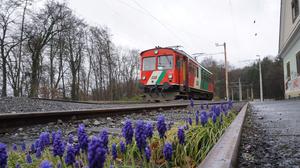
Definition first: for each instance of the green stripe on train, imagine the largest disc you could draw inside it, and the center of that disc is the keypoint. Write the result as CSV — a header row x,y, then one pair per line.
x,y
162,75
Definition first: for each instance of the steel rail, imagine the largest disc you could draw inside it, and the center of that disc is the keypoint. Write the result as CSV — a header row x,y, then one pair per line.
x,y
9,120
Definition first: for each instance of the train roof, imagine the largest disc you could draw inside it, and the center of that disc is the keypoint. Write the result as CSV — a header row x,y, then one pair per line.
x,y
182,53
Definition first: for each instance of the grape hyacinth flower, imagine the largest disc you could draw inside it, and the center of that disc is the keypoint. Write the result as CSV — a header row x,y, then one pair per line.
x,y
214,118
140,135
149,130
192,103
70,156
58,145
190,121
3,155
71,139
38,153
32,148
46,164
96,153
18,165
14,147
161,126
181,136
148,153
28,158
207,107
168,151
77,164
104,138
203,117
82,137
23,147
122,147
202,107
114,151
44,140
127,132
76,149
197,117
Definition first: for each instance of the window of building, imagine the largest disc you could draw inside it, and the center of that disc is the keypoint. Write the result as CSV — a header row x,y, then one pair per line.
x,y
295,9
288,70
298,63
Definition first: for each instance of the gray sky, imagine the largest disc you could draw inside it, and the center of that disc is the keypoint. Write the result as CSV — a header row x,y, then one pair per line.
x,y
195,24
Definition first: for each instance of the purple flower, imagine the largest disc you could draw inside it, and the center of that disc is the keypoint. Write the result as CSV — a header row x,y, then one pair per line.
x,y
3,155
46,164
190,120
23,147
28,158
168,151
14,147
122,147
181,135
217,110
82,137
192,102
214,118
96,153
38,153
18,165
114,151
148,153
202,107
140,135
203,117
149,130
71,139
197,117
127,132
77,164
44,140
104,139
70,156
76,149
207,107
32,148
161,126
58,145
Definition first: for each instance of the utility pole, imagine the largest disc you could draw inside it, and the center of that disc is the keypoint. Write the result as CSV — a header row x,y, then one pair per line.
x,y
251,92
260,80
226,68
240,89
232,96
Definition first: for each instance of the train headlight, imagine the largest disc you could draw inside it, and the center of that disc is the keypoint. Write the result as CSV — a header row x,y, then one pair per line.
x,y
170,76
144,77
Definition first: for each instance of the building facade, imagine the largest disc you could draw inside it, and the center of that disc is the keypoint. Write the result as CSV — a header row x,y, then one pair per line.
x,y
289,46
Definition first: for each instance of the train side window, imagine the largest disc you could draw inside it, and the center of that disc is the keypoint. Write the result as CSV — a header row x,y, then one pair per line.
x,y
197,72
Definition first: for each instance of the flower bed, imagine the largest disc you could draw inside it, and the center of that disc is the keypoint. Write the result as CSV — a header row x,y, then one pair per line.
x,y
142,144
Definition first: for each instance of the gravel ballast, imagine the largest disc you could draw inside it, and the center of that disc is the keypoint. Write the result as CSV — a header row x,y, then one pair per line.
x,y
113,123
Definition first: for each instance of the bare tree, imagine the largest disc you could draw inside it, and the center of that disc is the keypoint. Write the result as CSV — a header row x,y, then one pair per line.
x,y
7,43
42,28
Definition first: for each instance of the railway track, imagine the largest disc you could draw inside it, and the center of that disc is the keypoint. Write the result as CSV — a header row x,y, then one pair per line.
x,y
11,120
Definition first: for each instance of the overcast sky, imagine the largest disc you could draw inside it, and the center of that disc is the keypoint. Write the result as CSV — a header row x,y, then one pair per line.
x,y
194,24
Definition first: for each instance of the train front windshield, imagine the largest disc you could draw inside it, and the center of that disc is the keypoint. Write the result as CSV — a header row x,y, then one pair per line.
x,y
165,62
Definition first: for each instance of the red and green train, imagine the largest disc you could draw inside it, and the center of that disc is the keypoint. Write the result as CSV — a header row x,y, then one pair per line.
x,y
168,73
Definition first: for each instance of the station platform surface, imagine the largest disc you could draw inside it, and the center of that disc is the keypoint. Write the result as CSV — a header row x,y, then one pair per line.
x,y
271,135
